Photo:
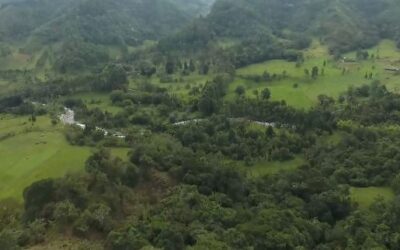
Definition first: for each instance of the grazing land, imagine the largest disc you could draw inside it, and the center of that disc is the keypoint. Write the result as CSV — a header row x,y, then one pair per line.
x,y
365,197
33,151
98,100
301,91
263,168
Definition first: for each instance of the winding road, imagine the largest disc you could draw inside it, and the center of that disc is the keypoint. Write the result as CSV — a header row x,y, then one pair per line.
x,y
68,118
265,124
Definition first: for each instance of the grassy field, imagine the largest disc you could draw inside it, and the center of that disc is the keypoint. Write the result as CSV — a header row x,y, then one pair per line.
x,y
332,83
364,197
178,85
8,86
331,139
98,100
18,59
263,168
32,152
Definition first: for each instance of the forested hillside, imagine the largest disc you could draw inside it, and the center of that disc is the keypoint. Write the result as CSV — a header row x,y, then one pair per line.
x,y
199,124
75,33
198,7
100,22
343,25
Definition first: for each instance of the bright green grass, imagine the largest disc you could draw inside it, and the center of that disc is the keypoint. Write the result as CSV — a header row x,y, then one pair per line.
x,y
33,156
364,197
179,88
267,168
37,152
332,83
385,50
98,100
332,139
226,43
21,124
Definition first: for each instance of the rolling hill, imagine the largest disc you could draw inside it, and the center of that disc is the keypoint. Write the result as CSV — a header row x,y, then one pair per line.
x,y
343,25
199,124
197,7
99,22
75,34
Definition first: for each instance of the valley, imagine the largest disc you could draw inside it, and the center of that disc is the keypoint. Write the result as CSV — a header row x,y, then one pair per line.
x,y
199,124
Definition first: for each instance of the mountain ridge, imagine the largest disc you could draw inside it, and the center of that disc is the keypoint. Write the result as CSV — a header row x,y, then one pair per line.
x,y
342,25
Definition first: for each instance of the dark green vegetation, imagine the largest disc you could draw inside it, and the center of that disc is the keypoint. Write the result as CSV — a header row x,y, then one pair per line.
x,y
100,22
186,186
74,34
264,124
199,7
254,31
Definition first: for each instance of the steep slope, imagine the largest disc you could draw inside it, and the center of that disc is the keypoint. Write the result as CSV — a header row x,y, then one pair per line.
x,y
194,7
75,34
343,24
95,21
18,19
111,22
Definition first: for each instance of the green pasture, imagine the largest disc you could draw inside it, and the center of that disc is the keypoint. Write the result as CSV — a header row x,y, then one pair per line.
x,y
364,197
263,168
17,60
179,85
33,152
101,101
20,59
338,75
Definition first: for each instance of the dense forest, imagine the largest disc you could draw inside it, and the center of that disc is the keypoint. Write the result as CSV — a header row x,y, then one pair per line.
x,y
198,200
272,29
99,22
201,124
